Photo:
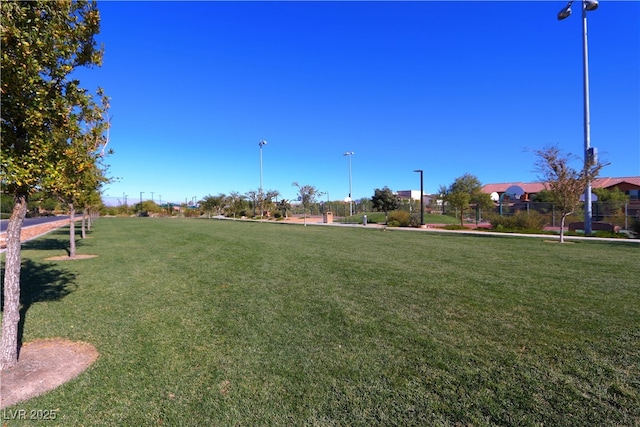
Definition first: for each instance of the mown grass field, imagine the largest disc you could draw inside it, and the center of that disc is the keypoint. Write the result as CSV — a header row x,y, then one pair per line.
x,y
220,323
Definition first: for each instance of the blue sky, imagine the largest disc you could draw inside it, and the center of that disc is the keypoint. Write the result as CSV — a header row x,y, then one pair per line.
x,y
447,87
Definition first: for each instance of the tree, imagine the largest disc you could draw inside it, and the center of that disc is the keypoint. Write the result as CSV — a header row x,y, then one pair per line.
x,y
147,206
465,191
384,201
610,202
91,206
81,171
284,206
255,199
211,204
42,44
234,203
564,183
266,201
542,196
307,195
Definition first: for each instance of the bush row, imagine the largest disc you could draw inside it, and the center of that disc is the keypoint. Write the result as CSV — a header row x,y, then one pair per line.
x,y
520,221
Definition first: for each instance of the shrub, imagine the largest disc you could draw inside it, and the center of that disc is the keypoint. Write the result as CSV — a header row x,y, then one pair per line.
x,y
608,234
402,219
414,221
521,221
454,227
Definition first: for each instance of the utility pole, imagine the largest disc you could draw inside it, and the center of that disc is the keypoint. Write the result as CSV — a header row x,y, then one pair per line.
x,y
421,197
350,154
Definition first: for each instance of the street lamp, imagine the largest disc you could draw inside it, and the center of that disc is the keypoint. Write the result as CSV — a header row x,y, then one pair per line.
x,y
261,144
589,153
141,193
421,201
350,154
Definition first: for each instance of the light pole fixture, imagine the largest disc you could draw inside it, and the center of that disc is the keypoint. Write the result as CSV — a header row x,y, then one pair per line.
x,y
589,153
261,144
350,154
141,193
421,200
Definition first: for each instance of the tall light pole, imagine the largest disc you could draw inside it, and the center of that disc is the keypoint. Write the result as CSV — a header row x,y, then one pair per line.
x,y
350,154
141,193
421,199
261,144
589,153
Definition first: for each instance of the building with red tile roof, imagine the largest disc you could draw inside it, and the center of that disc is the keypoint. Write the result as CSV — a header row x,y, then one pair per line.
x,y
628,185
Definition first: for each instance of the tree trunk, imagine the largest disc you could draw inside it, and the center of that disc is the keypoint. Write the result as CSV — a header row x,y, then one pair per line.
x,y
72,231
562,227
11,309
84,220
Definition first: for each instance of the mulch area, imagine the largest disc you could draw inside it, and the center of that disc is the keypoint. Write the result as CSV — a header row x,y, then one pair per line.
x,y
42,366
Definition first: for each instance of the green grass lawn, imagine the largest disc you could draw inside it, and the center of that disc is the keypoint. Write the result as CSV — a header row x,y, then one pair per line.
x,y
218,323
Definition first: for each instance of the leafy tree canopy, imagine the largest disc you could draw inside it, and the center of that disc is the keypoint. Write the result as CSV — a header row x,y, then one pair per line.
x,y
307,194
611,195
42,43
384,200
463,192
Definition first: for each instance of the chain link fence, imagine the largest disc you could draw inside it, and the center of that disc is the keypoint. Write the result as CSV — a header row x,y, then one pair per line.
x,y
620,214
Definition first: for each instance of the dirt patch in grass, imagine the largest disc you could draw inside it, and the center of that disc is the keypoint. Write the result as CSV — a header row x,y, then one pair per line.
x,y
42,366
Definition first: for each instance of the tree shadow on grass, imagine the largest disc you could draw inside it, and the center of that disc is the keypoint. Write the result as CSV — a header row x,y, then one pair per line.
x,y
52,243
64,231
40,283
48,244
